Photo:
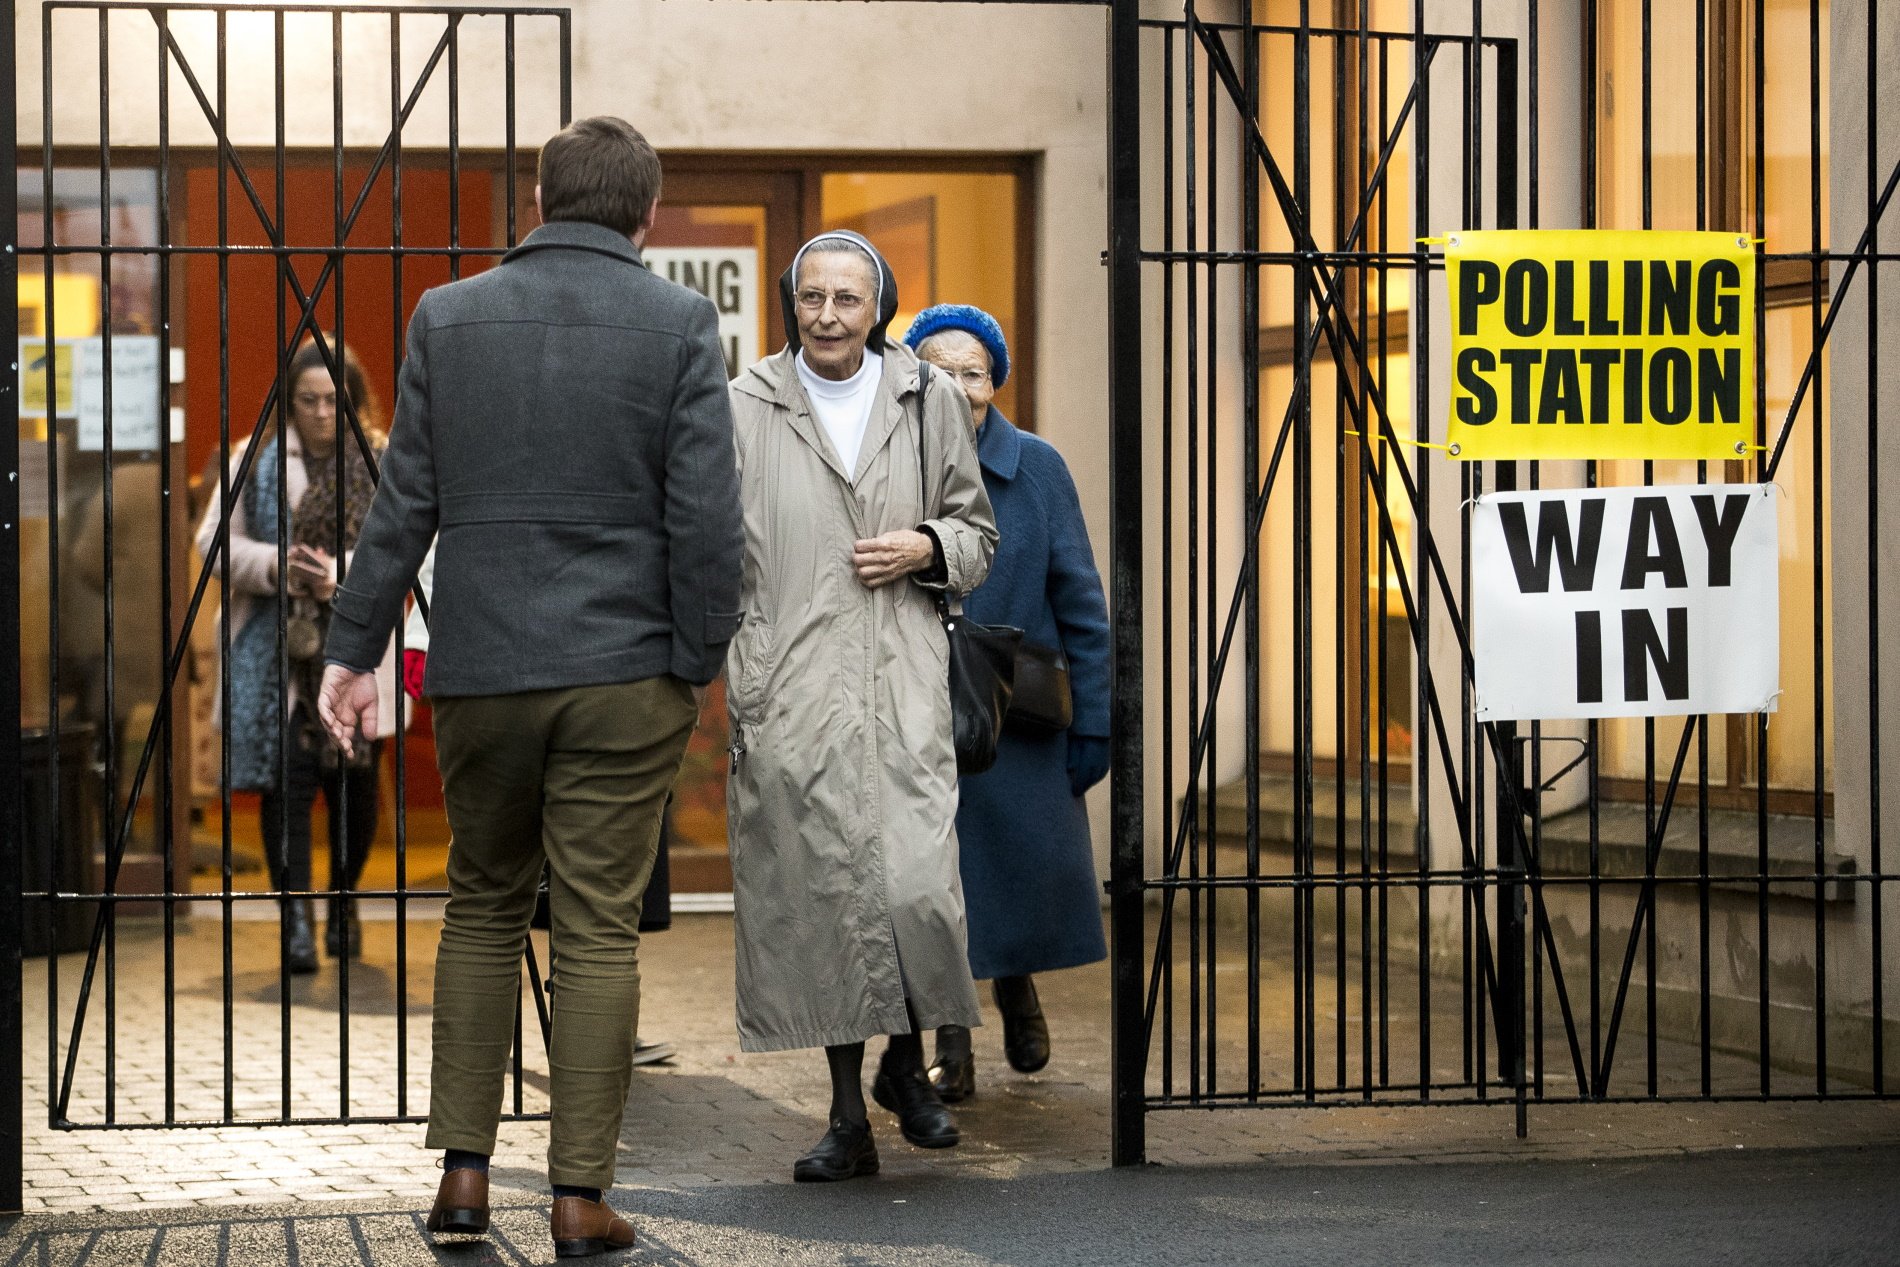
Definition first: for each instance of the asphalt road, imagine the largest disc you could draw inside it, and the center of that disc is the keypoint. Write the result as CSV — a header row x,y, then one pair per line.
x,y
1841,1205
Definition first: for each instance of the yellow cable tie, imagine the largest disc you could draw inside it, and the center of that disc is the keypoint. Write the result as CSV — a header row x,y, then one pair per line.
x,y
1452,449
1743,448
1433,241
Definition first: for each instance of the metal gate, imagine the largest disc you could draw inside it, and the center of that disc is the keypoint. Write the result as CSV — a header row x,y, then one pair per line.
x,y
1331,886
190,223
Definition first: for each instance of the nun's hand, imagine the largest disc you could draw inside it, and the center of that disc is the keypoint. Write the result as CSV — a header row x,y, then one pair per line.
x,y
891,557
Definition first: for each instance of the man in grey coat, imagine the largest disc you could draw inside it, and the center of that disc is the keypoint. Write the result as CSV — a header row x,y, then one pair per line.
x,y
562,423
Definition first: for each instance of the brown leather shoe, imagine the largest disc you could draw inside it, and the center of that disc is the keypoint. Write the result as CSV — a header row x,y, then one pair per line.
x,y
461,1204
582,1227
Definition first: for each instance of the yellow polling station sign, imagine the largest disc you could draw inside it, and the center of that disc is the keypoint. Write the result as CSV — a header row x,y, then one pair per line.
x,y
1601,343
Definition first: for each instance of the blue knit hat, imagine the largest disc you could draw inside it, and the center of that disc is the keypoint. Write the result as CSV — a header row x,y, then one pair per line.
x,y
972,321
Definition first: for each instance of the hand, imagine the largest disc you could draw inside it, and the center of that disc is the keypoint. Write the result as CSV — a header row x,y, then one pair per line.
x,y
346,703
1088,762
312,572
895,555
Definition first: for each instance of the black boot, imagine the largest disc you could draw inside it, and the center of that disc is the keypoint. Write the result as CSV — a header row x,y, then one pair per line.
x,y
300,952
906,1091
954,1075
1025,1032
343,935
846,1151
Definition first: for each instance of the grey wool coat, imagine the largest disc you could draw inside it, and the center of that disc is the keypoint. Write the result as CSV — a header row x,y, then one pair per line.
x,y
562,422
843,795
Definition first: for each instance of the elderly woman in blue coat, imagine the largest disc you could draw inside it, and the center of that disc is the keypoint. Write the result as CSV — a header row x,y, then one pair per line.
x,y
1028,868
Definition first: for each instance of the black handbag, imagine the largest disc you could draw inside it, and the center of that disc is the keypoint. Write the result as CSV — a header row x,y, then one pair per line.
x,y
982,657
1040,704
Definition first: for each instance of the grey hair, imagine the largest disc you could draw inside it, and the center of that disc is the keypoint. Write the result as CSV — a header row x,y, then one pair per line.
x,y
831,244
948,340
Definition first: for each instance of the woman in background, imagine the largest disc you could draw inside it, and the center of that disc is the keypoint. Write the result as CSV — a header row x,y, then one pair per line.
x,y
1028,866
302,493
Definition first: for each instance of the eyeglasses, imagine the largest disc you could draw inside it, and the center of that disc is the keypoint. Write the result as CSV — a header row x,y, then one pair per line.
x,y
972,377
843,301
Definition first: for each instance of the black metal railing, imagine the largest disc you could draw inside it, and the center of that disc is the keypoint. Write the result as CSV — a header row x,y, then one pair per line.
x,y
195,50
1373,897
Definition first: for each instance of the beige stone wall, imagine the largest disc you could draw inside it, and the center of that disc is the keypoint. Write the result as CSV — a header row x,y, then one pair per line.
x,y
1853,391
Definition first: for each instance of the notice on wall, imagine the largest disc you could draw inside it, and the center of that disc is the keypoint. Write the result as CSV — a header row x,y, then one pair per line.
x,y
1625,602
729,276
44,371
138,385
1601,344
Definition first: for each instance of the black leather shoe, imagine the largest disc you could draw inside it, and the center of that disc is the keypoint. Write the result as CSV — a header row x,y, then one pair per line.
x,y
343,935
846,1151
1025,1032
300,954
920,1114
953,1077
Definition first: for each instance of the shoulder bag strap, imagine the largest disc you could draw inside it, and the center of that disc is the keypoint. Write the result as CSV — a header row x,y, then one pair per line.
x,y
923,392
923,485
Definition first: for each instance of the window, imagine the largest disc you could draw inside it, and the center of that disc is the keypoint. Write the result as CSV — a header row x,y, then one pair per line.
x,y
1708,180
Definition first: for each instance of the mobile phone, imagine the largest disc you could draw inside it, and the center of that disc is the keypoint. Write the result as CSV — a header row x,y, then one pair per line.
x,y
306,563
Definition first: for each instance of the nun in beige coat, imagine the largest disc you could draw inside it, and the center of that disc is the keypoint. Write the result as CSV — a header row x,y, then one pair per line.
x,y
843,795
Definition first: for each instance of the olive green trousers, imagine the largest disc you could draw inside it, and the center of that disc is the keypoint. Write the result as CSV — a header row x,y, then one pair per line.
x,y
578,777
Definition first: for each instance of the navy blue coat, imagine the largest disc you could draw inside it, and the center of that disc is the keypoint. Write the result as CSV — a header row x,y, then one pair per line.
x,y
1028,869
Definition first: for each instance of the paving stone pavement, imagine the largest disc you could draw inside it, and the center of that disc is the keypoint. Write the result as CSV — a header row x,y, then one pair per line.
x,y
713,1119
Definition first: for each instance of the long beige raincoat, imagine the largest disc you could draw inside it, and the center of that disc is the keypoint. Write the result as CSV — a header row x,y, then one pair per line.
x,y
843,795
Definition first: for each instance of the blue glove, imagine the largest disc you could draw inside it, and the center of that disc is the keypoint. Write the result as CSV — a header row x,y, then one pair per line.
x,y
1088,762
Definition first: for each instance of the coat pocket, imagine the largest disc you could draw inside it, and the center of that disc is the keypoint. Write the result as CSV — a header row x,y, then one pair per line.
x,y
751,665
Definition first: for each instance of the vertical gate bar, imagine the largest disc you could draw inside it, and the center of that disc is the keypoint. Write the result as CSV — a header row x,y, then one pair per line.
x,y
1534,157
1191,801
1511,793
1340,173
167,686
1338,170
508,124
516,1056
1421,337
341,847
1126,787
396,331
1250,444
1297,603
1164,950
510,176
224,566
109,794
48,326
1874,558
280,237
1470,892
1380,458
566,19
1761,439
1362,48
1591,154
1211,493
1649,474
455,148
1818,506
1304,828
12,846
1705,1042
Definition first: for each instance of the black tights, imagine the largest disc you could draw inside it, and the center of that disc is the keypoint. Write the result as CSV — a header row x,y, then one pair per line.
x,y
352,831
846,1061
